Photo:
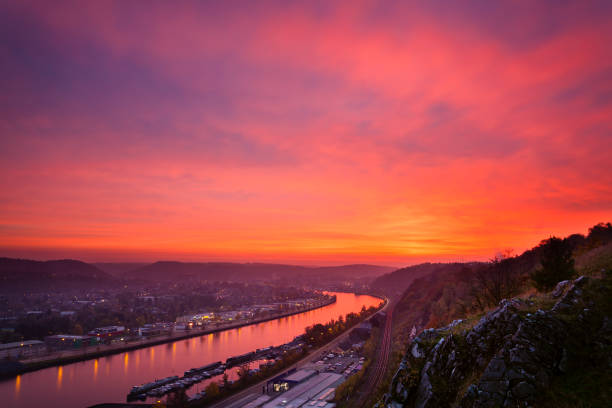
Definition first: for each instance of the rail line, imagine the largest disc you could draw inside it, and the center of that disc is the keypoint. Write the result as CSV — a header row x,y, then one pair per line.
x,y
383,358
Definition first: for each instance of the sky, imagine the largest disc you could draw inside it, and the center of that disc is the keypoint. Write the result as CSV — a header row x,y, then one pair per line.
x,y
315,132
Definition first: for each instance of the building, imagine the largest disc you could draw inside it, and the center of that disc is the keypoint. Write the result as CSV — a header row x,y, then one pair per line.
x,y
70,341
229,315
306,388
300,376
155,329
107,332
198,319
22,349
361,332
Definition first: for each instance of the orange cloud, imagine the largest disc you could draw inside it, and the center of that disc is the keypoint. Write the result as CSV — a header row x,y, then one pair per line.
x,y
301,133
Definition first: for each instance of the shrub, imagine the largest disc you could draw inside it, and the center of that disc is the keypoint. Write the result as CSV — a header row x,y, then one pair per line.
x,y
557,264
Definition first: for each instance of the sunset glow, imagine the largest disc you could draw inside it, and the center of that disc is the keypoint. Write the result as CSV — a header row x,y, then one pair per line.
x,y
314,132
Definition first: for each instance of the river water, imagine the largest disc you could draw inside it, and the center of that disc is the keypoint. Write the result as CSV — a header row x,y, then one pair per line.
x,y
108,379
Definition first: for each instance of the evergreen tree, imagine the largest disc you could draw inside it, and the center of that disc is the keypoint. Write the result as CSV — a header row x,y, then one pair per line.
x,y
557,264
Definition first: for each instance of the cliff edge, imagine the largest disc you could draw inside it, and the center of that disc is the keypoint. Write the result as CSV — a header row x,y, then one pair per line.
x,y
555,350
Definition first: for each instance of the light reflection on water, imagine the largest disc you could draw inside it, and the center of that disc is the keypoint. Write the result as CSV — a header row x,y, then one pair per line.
x,y
70,386
60,373
126,361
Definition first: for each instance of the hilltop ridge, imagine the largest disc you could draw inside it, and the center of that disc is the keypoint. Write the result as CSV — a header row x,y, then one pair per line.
x,y
164,270
483,336
50,275
520,354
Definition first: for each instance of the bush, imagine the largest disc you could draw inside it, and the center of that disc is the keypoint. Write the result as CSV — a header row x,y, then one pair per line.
x,y
557,264
212,390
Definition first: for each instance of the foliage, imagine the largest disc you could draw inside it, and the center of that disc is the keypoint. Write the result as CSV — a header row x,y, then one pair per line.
x,y
594,261
353,383
320,334
243,372
446,294
599,234
587,381
325,333
177,399
212,390
346,390
557,264
500,280
216,392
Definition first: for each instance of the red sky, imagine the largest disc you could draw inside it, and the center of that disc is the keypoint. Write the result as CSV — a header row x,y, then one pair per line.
x,y
301,131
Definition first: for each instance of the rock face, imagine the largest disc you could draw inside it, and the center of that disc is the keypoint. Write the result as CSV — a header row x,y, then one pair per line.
x,y
506,360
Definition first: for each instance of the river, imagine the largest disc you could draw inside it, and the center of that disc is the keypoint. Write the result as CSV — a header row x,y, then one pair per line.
x,y
108,379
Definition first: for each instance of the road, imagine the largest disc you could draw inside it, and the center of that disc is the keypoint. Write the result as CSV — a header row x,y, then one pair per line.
x,y
257,388
380,367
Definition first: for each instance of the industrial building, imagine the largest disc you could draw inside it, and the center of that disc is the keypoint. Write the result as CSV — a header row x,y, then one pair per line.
x,y
307,388
155,329
303,388
70,341
22,349
108,332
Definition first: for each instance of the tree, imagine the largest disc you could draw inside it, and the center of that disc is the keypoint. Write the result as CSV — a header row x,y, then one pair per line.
x,y
557,264
140,321
599,234
177,399
243,372
212,390
501,279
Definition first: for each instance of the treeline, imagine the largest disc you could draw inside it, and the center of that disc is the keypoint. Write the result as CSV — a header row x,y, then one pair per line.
x,y
247,377
451,293
127,308
542,267
320,334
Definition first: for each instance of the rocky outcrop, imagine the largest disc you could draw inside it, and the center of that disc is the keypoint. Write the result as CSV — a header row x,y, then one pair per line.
x,y
507,359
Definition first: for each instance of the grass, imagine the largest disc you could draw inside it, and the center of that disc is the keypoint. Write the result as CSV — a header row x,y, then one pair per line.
x,y
587,382
592,262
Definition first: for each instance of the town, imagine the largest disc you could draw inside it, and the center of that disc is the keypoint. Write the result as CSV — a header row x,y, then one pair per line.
x,y
63,324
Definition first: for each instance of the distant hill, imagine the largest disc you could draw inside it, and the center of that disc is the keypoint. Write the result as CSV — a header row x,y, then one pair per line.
x,y
224,271
352,271
25,274
395,283
118,269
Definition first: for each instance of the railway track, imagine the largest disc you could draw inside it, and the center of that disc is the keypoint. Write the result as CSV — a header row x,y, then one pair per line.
x,y
256,389
380,367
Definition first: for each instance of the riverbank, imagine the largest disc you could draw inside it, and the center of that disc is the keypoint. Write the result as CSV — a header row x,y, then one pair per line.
x,y
34,364
307,359
255,384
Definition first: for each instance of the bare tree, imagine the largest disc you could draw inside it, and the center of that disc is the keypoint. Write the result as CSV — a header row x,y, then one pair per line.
x,y
501,279
243,371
